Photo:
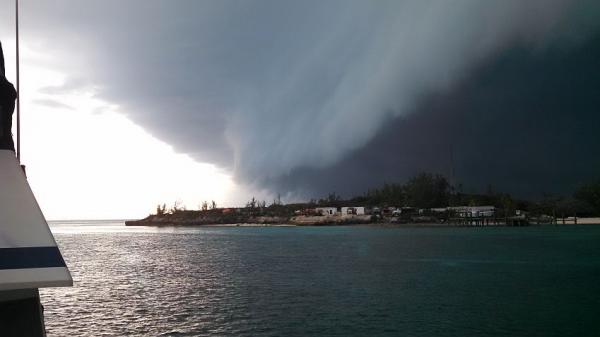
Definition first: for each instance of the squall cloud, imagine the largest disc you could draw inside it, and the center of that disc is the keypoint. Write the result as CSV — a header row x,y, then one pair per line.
x,y
265,88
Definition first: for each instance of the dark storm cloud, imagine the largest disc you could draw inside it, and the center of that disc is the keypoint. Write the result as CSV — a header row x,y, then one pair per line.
x,y
274,89
526,123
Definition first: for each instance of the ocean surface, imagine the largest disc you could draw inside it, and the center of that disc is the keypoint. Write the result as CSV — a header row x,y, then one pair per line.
x,y
326,281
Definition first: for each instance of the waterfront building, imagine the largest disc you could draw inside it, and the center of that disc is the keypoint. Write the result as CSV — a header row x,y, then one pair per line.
x,y
353,211
474,211
326,210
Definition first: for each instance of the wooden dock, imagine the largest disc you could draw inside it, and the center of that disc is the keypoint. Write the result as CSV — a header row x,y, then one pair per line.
x,y
517,221
490,221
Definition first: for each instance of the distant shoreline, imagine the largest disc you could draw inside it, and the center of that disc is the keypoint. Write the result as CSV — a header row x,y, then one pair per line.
x,y
581,221
223,225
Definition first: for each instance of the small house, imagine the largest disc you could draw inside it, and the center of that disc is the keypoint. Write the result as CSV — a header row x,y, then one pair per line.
x,y
326,210
353,211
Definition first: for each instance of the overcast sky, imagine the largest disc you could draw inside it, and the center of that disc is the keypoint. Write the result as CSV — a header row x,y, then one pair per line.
x,y
130,103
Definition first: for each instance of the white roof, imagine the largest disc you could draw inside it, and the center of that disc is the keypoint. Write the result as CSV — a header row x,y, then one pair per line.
x,y
29,256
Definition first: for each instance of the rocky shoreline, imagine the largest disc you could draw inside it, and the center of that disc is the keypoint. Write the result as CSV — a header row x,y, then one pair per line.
x,y
241,220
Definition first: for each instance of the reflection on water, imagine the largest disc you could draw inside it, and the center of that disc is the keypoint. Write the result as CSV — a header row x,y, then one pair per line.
x,y
118,226
328,281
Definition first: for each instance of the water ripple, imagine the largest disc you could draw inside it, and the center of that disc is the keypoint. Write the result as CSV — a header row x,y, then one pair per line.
x,y
347,281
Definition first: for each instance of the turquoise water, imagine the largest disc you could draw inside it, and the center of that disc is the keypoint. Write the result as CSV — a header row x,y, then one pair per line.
x,y
327,281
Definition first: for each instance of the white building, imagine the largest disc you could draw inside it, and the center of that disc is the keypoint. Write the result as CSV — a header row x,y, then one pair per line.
x,y
474,211
353,211
326,210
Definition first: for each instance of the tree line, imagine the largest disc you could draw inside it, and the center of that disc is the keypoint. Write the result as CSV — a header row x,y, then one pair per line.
x,y
427,190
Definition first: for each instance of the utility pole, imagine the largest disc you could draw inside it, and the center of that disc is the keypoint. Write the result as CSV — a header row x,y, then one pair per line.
x,y
18,83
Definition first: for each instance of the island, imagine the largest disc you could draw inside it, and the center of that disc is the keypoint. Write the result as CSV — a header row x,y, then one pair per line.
x,y
426,199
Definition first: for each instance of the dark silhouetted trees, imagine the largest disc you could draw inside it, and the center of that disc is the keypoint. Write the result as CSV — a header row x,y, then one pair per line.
x,y
426,190
177,207
253,203
589,195
161,209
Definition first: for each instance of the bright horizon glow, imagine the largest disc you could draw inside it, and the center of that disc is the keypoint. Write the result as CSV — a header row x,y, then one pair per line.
x,y
86,160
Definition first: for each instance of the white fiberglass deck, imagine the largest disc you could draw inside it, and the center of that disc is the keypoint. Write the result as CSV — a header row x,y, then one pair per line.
x,y
29,256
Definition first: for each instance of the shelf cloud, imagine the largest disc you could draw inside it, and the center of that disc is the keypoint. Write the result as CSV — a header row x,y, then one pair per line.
x,y
286,94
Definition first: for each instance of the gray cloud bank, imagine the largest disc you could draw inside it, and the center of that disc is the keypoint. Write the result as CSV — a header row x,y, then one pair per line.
x,y
526,123
285,94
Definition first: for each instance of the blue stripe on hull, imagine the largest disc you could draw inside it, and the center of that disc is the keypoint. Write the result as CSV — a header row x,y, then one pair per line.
x,y
30,257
